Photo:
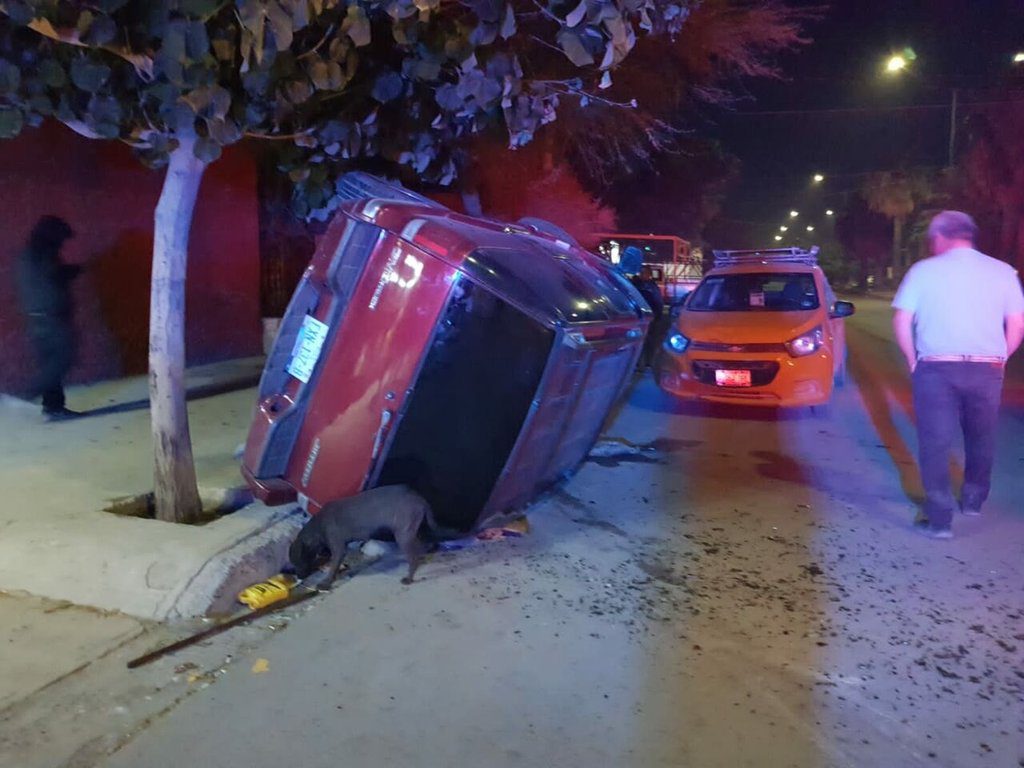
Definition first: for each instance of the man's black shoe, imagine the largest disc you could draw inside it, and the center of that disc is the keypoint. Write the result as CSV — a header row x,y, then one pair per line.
x,y
60,414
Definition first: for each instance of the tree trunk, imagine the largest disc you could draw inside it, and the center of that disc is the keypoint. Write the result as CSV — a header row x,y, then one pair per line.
x,y
174,476
897,243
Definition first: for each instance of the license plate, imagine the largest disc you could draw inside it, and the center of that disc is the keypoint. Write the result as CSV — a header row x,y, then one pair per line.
x,y
306,351
732,378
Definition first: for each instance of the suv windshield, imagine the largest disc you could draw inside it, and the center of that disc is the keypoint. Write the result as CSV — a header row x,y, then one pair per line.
x,y
755,292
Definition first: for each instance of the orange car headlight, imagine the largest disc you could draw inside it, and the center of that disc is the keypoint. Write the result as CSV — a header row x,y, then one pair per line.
x,y
807,344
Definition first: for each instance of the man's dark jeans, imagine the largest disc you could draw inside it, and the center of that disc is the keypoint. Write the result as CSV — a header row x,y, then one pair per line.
x,y
949,396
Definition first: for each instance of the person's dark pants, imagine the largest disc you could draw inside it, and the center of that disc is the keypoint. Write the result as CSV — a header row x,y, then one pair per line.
x,y
653,341
53,344
952,396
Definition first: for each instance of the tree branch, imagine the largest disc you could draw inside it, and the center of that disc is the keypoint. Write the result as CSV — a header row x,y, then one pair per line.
x,y
143,64
278,136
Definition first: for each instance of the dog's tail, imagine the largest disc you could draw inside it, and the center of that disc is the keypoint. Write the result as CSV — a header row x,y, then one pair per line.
x,y
439,532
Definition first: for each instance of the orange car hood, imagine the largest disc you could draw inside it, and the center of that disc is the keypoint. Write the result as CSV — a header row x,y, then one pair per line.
x,y
747,327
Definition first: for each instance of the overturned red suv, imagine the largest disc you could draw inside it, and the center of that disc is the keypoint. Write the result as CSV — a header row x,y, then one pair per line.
x,y
473,360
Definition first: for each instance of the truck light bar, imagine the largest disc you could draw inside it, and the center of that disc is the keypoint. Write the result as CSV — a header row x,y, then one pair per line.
x,y
768,256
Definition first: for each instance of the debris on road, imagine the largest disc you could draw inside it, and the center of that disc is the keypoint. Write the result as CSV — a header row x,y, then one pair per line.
x,y
514,530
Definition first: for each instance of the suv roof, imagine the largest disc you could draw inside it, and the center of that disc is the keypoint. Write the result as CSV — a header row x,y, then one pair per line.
x,y
766,260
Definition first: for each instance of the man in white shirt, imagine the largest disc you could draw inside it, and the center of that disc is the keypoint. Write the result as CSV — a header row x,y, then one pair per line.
x,y
959,316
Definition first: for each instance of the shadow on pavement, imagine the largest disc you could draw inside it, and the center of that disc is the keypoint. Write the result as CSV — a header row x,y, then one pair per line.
x,y
876,389
653,398
198,392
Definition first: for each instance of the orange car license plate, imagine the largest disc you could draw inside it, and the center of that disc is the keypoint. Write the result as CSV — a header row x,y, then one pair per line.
x,y
732,378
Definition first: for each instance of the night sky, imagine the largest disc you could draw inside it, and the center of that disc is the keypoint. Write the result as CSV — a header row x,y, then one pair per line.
x,y
838,113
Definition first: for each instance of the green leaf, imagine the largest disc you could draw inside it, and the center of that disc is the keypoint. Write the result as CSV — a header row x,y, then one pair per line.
x,y
104,110
109,6
357,25
508,26
574,49
107,130
320,74
41,105
88,75
387,87
206,149
201,8
102,30
281,24
85,19
298,91
576,14
19,12
52,73
224,50
10,77
224,132
11,123
449,99
484,34
197,43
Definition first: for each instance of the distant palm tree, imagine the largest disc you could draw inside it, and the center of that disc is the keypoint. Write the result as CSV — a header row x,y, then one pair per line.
x,y
895,195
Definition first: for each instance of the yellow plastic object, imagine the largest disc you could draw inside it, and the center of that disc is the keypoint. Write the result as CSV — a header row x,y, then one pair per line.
x,y
267,592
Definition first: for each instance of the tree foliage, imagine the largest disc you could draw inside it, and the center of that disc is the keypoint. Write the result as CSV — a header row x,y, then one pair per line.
x,y
334,80
989,182
672,79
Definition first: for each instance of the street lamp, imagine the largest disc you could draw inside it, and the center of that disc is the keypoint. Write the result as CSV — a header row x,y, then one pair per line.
x,y
895,63
1018,58
783,228
830,212
778,237
898,62
818,178
794,214
810,228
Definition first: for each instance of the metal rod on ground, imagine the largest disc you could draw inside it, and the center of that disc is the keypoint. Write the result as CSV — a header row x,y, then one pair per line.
x,y
360,563
218,628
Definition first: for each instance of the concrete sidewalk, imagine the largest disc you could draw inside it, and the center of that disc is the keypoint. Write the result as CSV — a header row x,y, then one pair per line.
x,y
57,542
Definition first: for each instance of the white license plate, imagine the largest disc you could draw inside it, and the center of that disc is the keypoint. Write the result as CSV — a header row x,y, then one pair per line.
x,y
732,378
307,348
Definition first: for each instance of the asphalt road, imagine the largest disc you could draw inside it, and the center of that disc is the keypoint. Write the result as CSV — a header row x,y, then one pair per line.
x,y
756,596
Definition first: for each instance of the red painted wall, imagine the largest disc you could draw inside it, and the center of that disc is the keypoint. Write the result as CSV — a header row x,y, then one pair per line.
x,y
108,197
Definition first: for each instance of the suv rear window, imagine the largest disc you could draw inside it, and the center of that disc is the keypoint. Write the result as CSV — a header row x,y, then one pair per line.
x,y
755,292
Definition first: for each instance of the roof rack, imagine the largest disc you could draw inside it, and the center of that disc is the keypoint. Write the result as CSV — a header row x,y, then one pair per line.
x,y
768,256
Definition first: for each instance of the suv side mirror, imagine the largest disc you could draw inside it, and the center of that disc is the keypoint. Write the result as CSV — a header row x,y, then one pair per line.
x,y
842,309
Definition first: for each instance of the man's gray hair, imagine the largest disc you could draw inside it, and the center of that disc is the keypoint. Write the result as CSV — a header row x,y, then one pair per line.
x,y
954,225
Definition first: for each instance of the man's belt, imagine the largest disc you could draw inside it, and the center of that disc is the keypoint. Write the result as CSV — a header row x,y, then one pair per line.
x,y
962,359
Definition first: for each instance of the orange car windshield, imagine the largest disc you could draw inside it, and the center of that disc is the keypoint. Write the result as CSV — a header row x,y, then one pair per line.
x,y
755,292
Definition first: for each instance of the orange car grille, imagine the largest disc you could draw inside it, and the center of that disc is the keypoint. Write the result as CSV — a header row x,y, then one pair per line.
x,y
710,346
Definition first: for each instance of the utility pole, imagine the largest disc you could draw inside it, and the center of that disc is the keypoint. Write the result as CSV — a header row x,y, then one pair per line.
x,y
952,126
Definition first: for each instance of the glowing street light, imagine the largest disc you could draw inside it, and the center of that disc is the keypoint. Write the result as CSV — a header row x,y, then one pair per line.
x,y
818,178
783,228
810,228
898,62
895,63
778,237
794,214
1018,58
830,212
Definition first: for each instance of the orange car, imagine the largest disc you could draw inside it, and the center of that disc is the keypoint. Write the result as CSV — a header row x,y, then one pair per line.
x,y
762,328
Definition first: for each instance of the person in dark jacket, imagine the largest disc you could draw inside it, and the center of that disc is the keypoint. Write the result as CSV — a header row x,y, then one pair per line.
x,y
44,288
640,276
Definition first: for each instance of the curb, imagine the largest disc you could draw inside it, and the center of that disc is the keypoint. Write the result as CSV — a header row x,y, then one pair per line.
x,y
252,558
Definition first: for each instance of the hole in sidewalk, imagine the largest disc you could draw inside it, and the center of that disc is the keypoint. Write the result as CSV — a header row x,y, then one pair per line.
x,y
215,505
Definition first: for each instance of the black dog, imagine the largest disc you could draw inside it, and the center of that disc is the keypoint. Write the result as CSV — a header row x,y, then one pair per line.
x,y
397,509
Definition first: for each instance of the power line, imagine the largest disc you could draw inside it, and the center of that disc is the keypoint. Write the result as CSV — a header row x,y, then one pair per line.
x,y
855,110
